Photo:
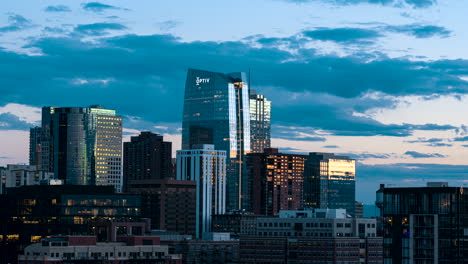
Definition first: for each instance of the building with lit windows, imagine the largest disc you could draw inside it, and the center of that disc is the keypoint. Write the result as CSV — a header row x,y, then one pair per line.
x,y
330,182
260,122
82,145
30,213
217,112
424,224
207,167
273,181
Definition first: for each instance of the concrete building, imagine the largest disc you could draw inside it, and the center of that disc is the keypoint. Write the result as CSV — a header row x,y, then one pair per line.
x,y
85,249
147,157
424,224
207,167
236,223
16,175
273,182
170,204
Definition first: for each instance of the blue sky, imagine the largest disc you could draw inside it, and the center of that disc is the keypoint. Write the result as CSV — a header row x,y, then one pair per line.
x,y
384,81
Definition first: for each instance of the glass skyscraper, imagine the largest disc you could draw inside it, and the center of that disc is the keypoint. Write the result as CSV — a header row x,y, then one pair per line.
x,y
260,122
82,145
330,182
217,112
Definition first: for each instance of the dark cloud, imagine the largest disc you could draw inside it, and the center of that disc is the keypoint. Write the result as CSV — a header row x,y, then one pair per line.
x,y
16,23
439,145
144,75
98,29
419,155
98,7
331,146
461,138
343,35
431,142
395,3
420,31
57,8
9,121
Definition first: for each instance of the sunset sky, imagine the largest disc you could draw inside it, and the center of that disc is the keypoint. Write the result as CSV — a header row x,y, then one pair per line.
x,y
384,81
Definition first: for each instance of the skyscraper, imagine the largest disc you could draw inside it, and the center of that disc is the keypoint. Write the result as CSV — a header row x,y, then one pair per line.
x,y
82,145
207,167
330,182
35,152
272,182
217,112
147,157
260,122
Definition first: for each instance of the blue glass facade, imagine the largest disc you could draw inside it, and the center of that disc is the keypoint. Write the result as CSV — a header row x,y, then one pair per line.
x,y
216,111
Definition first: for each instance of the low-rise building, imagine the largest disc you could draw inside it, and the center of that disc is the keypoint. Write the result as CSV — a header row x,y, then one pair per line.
x,y
16,175
69,249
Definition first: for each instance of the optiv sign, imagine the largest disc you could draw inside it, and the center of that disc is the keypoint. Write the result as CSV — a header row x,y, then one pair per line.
x,y
200,80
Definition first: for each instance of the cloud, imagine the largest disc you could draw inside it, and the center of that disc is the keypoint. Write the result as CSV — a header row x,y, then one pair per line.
x,y
394,3
328,91
98,7
366,155
331,146
16,23
57,8
168,25
9,121
98,29
419,155
343,35
461,138
420,31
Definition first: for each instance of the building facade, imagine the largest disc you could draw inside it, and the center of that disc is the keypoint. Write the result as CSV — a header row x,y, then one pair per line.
x,y
330,182
217,111
82,145
85,249
260,122
147,157
235,223
170,204
16,175
207,167
273,181
424,224
35,152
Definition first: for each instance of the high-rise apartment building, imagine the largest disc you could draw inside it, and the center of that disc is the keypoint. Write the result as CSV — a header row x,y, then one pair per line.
x,y
260,122
82,145
35,152
147,157
273,181
330,182
424,224
217,112
207,167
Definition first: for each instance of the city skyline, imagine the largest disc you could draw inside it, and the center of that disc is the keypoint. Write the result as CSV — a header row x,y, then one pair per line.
x,y
366,80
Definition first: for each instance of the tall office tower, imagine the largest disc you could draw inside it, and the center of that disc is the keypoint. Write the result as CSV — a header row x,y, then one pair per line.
x,y
272,182
83,145
330,182
35,152
217,112
260,122
207,167
147,157
424,224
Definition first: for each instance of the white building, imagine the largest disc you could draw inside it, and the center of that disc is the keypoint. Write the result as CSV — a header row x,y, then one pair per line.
x,y
207,167
16,175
